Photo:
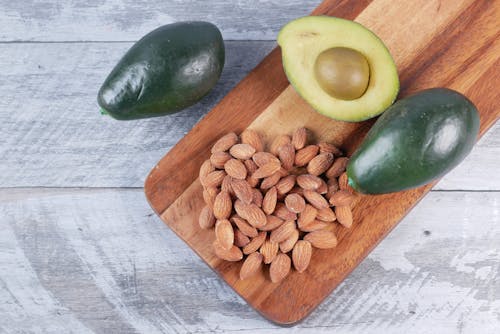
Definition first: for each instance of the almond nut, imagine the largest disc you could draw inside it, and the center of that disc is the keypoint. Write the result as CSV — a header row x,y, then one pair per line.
x,y
299,138
222,205
251,265
320,163
218,159
280,268
255,243
262,158
283,232
250,165
281,211
213,179
344,215
226,185
326,215
267,170
235,168
315,225
272,223
225,142
269,250
251,137
305,155
301,255
224,233
257,197
269,201
295,203
287,244
270,181
322,239
307,216
338,167
207,218
309,182
240,239
242,151
329,148
316,200
286,153
242,190
233,254
278,142
209,195
342,198
205,168
251,213
244,227
285,185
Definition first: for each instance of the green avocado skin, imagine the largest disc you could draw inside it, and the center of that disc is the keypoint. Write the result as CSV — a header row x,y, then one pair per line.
x,y
415,141
169,69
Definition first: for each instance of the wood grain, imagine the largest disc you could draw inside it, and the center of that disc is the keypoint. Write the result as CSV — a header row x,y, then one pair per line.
x,y
173,194
116,20
126,272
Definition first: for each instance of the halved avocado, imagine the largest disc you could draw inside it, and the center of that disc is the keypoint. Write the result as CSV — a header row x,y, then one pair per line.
x,y
325,61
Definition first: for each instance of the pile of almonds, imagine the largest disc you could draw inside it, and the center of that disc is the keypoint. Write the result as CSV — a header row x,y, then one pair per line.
x,y
267,204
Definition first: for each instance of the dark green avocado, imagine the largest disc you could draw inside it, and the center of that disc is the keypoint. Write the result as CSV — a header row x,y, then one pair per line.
x,y
167,70
416,140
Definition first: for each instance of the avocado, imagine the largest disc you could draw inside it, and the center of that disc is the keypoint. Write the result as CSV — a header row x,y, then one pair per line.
x,y
167,70
342,69
418,139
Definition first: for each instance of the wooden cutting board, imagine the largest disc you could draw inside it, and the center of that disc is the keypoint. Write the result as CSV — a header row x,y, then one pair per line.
x,y
448,43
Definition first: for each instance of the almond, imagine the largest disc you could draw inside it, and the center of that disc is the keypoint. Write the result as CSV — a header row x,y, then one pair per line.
x,y
306,154
297,190
299,138
242,190
251,137
280,268
316,200
226,184
315,225
242,151
322,239
329,148
209,195
307,216
225,142
301,255
326,215
207,218
344,215
251,213
240,239
320,163
235,168
253,182
233,254
262,158
213,179
218,159
284,231
285,185
251,265
205,168
282,212
342,198
255,243
222,205
283,172
224,233
323,188
270,181
269,201
287,244
269,250
295,203
286,153
338,167
257,197
309,182
278,142
272,223
344,183
333,187
267,170
250,165
244,227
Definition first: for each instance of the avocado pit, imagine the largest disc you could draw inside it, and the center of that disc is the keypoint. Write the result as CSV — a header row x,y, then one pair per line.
x,y
342,72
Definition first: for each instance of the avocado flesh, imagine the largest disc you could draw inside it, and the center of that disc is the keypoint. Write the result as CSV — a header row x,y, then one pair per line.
x,y
304,39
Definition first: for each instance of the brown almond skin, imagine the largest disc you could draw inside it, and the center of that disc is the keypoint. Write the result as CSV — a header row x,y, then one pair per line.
x,y
240,240
251,265
322,239
285,185
286,154
226,185
269,250
242,151
280,268
233,254
282,232
305,155
299,138
207,218
342,198
218,159
255,243
209,195
295,203
344,215
320,164
262,158
224,233
267,170
301,255
236,169
326,215
225,142
308,215
206,168
250,165
281,211
288,244
213,179
338,167
270,181
315,225
257,197
309,182
273,222
252,137
316,200
245,227
329,148
222,205
242,190
278,142
269,201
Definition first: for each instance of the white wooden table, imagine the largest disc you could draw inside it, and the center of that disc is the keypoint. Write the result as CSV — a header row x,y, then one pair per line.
x,y
82,252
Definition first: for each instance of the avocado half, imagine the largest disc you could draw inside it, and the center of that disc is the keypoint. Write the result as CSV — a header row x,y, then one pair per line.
x,y
304,39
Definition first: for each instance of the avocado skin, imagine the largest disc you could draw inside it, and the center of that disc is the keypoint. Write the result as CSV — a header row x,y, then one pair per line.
x,y
167,70
416,140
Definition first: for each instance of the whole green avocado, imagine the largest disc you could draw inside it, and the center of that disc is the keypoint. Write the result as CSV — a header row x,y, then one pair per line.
x,y
169,69
416,140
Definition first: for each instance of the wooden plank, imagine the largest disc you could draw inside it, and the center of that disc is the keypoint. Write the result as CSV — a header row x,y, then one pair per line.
x,y
99,260
115,20
175,193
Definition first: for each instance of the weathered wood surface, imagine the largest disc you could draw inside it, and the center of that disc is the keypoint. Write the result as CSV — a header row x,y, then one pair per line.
x,y
115,20
51,133
101,261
